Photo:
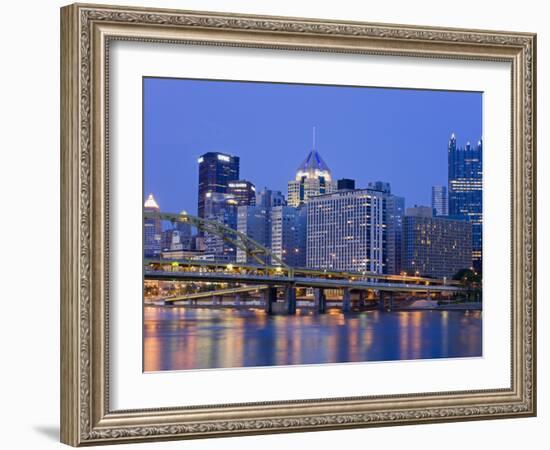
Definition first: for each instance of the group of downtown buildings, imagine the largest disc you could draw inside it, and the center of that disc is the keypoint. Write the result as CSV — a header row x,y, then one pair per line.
x,y
334,225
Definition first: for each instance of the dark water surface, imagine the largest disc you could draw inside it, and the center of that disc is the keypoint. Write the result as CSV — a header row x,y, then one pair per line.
x,y
177,338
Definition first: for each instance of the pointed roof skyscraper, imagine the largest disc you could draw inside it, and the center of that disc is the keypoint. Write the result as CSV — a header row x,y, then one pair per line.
x,y
313,177
313,166
151,203
313,162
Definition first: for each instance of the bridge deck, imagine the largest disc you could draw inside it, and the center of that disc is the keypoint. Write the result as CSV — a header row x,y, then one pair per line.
x,y
296,271
217,292
297,281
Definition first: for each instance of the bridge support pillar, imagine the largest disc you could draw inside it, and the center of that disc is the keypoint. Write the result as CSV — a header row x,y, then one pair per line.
x,y
270,297
320,300
290,299
346,300
381,301
217,300
362,299
238,299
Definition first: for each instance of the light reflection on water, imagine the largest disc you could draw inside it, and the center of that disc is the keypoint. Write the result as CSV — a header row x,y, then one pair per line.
x,y
178,338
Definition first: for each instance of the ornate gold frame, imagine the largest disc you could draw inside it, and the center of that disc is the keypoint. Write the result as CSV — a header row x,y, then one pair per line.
x,y
86,31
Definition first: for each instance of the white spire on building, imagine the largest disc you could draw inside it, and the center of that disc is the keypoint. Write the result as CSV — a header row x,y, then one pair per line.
x,y
313,177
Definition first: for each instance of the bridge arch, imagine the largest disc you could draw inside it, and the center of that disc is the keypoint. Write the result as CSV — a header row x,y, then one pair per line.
x,y
261,254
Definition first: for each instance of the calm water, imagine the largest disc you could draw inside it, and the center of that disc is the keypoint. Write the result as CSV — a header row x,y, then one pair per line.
x,y
179,338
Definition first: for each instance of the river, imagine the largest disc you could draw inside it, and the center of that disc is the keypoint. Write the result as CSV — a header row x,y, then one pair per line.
x,y
180,338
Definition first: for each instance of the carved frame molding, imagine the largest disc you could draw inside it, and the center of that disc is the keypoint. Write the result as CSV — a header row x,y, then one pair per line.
x,y
86,32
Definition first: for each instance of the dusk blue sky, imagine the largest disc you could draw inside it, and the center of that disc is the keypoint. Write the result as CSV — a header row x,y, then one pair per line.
x,y
368,134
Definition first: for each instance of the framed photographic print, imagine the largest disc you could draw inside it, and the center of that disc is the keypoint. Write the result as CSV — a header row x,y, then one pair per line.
x,y
275,224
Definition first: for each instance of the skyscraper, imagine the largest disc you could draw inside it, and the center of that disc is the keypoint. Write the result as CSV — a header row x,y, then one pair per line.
x,y
313,177
255,222
346,230
221,208
381,186
244,192
288,234
269,198
216,170
345,183
440,202
179,237
435,246
152,230
185,233
466,190
394,210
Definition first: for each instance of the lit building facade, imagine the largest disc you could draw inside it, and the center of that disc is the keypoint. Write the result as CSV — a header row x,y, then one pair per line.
x,y
381,186
216,171
244,192
221,208
440,200
288,234
255,222
313,177
435,246
179,237
269,198
152,230
185,233
395,211
465,167
171,240
346,230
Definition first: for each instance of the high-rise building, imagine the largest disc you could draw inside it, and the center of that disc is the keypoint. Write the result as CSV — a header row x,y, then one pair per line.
x,y
243,191
465,166
288,234
381,186
185,233
395,210
345,184
179,237
268,198
255,222
216,170
171,240
346,230
440,202
221,208
152,230
436,246
313,177
420,211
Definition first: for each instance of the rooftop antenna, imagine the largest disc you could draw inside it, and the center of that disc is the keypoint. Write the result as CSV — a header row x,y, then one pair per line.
x,y
314,137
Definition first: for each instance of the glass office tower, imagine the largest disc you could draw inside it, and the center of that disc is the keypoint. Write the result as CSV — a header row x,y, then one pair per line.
x,y
466,191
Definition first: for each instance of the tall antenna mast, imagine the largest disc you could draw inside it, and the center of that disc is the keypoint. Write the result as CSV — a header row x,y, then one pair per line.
x,y
314,137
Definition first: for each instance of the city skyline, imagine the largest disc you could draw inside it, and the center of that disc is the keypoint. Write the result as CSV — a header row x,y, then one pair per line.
x,y
171,151
300,201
